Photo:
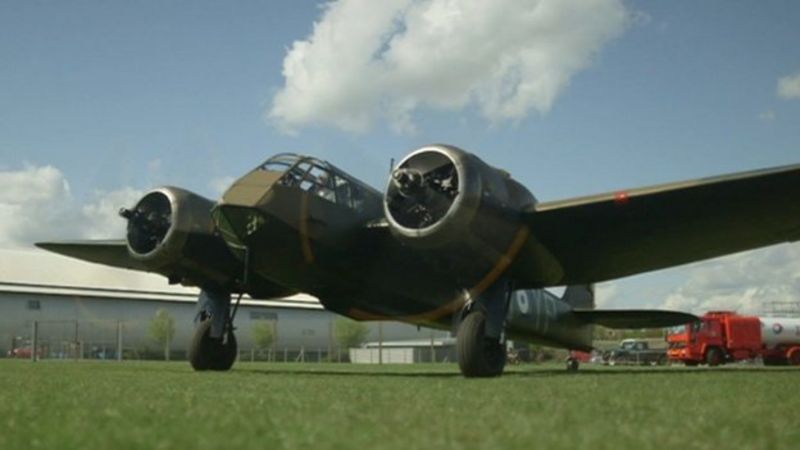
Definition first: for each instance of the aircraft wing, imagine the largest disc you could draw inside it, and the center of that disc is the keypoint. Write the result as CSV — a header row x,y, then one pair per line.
x,y
109,252
614,235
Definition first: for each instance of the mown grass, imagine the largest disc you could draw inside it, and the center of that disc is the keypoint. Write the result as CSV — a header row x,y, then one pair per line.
x,y
107,405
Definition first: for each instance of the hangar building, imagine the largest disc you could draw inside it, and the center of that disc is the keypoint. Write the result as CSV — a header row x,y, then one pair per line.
x,y
91,311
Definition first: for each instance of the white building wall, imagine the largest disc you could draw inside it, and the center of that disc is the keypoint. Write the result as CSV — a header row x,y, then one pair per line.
x,y
97,318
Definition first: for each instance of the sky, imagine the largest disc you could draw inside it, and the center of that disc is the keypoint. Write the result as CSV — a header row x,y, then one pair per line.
x,y
101,101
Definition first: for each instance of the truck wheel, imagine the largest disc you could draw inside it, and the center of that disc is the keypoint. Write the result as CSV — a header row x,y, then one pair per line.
x,y
794,356
713,357
572,364
772,361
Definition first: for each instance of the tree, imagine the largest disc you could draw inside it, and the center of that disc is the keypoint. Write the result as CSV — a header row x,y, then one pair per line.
x,y
263,334
350,333
162,330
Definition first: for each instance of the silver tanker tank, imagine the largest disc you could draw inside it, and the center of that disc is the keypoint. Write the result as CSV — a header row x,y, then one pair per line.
x,y
779,331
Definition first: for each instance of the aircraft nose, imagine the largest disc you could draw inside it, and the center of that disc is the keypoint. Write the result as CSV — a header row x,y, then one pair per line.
x,y
237,223
249,190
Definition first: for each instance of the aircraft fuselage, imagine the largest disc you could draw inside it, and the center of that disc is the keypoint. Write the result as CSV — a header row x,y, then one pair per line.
x,y
301,239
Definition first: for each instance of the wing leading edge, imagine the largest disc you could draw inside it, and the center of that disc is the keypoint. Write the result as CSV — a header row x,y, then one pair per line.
x,y
109,252
614,235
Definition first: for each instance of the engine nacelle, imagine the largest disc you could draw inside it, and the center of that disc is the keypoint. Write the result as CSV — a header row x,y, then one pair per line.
x,y
171,232
441,197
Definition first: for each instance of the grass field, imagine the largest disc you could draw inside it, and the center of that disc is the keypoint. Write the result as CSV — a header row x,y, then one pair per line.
x,y
107,405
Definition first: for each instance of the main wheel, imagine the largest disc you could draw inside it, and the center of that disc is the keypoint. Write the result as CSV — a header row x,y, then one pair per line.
x,y
713,357
478,355
207,353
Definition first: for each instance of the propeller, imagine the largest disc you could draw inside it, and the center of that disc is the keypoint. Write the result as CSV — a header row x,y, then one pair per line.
x,y
148,222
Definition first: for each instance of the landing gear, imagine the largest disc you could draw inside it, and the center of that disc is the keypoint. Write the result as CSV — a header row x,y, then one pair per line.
x,y
479,342
478,354
208,353
213,345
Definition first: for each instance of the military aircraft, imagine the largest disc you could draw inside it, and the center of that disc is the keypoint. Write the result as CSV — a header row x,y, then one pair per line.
x,y
453,243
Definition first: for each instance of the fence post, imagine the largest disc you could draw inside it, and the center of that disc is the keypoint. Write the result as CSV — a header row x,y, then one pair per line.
x,y
433,349
78,346
330,340
119,340
34,340
380,342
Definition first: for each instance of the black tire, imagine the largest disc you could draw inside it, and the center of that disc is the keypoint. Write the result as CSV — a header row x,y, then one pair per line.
x,y
793,358
775,361
207,353
573,365
478,355
713,357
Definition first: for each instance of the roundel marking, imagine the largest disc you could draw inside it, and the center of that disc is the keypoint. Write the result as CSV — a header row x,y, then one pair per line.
x,y
777,328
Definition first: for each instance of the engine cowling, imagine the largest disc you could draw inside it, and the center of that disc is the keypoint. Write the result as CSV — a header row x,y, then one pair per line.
x,y
442,197
170,231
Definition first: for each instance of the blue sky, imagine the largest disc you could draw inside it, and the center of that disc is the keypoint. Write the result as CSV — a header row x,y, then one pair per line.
x,y
122,96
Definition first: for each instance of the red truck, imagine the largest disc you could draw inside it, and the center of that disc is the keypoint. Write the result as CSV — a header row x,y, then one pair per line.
x,y
724,336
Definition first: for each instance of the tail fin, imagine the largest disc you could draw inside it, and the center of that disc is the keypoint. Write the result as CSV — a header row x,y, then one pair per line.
x,y
579,296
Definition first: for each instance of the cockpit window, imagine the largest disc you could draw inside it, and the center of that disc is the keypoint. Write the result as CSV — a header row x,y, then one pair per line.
x,y
317,177
279,163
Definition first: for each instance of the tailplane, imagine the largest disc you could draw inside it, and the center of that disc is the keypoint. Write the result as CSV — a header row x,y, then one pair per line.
x,y
634,319
581,298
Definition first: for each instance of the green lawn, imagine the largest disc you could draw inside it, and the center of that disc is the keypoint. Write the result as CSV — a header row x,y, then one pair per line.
x,y
108,405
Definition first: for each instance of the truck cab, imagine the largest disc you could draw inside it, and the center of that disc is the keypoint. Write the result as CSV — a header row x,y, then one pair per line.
x,y
718,337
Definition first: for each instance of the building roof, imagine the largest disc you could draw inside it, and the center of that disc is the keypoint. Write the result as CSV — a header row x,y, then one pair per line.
x,y
438,341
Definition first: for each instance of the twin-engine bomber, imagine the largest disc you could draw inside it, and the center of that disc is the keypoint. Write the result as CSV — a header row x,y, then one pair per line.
x,y
454,243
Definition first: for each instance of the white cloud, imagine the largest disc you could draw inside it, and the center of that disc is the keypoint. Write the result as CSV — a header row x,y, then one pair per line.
x,y
747,282
101,216
36,204
368,61
33,203
606,294
789,87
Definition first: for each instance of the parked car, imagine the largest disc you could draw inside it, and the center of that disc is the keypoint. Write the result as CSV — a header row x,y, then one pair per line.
x,y
636,351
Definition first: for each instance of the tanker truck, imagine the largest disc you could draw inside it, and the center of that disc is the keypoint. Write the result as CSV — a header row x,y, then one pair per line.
x,y
724,336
